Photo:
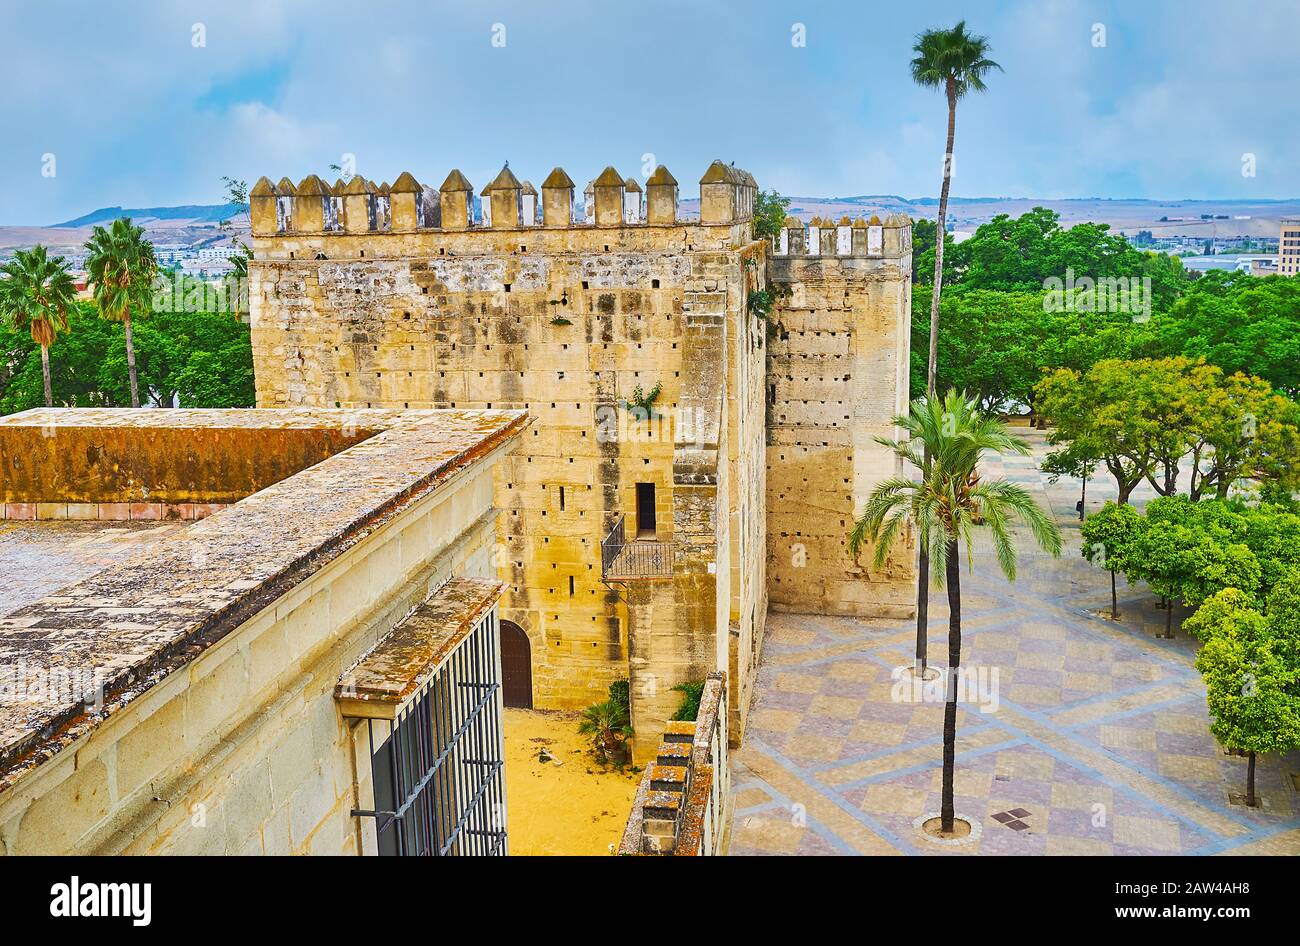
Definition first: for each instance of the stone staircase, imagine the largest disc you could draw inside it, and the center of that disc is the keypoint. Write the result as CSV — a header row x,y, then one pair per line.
x,y
667,778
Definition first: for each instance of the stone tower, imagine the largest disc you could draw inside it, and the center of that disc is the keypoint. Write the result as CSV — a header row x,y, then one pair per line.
x,y
681,442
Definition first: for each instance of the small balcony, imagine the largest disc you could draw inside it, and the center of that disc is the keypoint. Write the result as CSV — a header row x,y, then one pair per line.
x,y
622,559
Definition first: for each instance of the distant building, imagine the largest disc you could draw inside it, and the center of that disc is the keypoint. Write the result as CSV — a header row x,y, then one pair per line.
x,y
1253,264
212,253
1288,247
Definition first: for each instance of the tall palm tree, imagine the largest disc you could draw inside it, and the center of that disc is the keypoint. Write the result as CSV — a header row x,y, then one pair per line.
x,y
946,507
36,294
122,269
957,62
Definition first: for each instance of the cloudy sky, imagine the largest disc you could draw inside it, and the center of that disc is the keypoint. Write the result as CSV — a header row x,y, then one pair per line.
x,y
149,103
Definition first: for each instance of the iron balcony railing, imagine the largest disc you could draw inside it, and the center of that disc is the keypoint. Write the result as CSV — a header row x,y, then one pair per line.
x,y
621,559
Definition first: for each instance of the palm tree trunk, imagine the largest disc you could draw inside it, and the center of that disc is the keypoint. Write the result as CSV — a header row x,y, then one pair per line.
x,y
953,574
922,609
130,362
938,247
923,560
1250,781
45,374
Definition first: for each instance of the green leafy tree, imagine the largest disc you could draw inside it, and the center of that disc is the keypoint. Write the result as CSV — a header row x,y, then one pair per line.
x,y
1240,323
997,344
923,250
1250,684
36,293
1181,560
946,508
1273,534
122,269
1108,535
1145,417
1116,410
1239,429
956,62
1078,465
1019,254
769,214
194,359
1283,609
1227,608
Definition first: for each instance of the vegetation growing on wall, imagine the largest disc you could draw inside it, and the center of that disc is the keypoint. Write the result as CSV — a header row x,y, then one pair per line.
x,y
642,403
689,709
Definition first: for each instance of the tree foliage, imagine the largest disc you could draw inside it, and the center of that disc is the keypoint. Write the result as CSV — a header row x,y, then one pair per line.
x,y
36,294
996,344
769,214
1020,254
1145,418
200,359
1250,661
1249,689
1108,535
1241,323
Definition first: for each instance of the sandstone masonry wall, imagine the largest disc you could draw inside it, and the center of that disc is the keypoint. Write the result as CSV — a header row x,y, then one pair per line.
x,y
397,297
243,751
837,375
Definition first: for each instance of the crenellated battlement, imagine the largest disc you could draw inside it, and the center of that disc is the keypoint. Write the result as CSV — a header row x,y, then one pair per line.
x,y
727,197
871,239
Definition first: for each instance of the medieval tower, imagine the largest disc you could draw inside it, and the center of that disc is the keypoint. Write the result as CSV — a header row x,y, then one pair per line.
x,y
704,404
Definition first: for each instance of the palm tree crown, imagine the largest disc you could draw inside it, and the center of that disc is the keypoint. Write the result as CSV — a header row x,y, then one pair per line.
x,y
953,60
951,499
123,268
36,294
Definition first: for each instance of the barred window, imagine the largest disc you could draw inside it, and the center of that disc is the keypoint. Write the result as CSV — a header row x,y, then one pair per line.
x,y
438,765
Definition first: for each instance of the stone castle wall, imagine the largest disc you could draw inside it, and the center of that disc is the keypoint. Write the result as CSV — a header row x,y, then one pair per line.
x,y
393,296
837,376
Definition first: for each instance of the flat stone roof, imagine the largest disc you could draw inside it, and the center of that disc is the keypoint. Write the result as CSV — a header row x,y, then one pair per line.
x,y
206,418
39,558
116,455
140,619
395,669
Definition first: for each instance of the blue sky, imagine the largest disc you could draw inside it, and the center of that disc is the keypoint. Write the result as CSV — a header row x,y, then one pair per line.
x,y
136,114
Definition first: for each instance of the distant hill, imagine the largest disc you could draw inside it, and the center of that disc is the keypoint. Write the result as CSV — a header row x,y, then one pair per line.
x,y
201,213
197,224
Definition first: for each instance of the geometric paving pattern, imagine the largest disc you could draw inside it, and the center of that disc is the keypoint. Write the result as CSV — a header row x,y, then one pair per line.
x,y
1085,737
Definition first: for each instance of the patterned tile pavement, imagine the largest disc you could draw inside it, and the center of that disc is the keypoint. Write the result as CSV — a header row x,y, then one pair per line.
x,y
1082,735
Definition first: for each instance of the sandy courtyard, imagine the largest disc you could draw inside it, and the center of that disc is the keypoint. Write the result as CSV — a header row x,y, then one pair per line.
x,y
571,808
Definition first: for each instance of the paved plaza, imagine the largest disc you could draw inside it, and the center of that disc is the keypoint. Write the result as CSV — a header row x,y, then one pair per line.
x,y
1081,736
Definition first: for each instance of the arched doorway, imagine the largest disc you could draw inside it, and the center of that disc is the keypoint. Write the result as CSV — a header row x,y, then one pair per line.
x,y
516,666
